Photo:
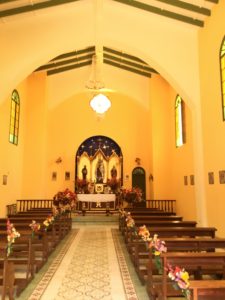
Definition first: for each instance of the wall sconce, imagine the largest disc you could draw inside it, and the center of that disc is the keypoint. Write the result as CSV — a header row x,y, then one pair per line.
x,y
58,160
151,178
138,161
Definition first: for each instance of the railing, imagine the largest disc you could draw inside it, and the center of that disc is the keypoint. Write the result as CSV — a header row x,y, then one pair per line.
x,y
25,205
165,205
11,209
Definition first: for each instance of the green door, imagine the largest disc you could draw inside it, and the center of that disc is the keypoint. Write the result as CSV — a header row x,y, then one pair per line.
x,y
138,180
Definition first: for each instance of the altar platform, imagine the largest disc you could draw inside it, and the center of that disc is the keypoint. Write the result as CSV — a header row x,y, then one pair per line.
x,y
94,218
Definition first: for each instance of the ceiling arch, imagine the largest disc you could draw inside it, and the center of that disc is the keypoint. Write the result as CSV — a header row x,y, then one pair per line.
x,y
44,34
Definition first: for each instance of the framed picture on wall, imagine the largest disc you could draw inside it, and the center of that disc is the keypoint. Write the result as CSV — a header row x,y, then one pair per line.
x,y
211,177
222,176
4,179
67,175
54,176
192,180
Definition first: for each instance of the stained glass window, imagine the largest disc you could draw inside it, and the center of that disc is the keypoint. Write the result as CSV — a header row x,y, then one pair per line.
x,y
14,118
222,68
179,121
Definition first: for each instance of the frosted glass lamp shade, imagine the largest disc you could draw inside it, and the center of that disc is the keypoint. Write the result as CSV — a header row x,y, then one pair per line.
x,y
100,103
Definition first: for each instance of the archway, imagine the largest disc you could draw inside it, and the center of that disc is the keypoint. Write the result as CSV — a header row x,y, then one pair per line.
x,y
139,180
98,160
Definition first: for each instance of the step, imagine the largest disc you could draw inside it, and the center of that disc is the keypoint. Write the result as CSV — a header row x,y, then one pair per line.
x,y
95,219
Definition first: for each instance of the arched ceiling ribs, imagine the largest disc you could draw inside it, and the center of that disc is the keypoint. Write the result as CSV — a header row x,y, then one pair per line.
x,y
83,57
193,12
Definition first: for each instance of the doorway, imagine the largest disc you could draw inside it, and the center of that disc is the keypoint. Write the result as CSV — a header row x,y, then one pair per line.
x,y
138,180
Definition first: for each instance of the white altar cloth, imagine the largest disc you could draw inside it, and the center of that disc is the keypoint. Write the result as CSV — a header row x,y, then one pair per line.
x,y
96,197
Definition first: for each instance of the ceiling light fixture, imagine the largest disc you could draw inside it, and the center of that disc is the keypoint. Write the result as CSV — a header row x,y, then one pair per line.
x,y
99,102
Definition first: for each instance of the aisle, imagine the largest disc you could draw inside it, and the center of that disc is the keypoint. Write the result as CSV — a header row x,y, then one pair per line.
x,y
92,268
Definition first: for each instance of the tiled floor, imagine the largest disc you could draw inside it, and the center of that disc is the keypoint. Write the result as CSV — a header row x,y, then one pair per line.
x,y
89,270
92,263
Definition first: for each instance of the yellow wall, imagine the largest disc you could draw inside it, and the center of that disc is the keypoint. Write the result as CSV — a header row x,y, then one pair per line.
x,y
171,164
145,131
162,141
11,159
73,121
34,159
210,39
51,129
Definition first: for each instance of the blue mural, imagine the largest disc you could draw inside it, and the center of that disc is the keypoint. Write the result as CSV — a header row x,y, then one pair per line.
x,y
94,143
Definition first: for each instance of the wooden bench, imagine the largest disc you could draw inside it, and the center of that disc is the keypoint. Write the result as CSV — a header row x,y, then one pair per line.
x,y
207,289
165,224
63,220
143,219
139,252
156,217
7,278
150,212
174,232
62,223
21,263
43,241
198,265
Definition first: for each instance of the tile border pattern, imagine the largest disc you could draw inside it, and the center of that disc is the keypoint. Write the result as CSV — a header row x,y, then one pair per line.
x,y
127,281
43,283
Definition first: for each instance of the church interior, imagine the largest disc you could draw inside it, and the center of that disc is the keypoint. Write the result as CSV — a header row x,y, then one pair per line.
x,y
161,67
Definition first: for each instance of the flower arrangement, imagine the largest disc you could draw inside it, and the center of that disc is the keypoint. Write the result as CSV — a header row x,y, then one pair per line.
x,y
12,234
181,280
82,185
65,198
55,211
35,227
48,221
113,183
130,223
132,195
122,213
157,247
144,233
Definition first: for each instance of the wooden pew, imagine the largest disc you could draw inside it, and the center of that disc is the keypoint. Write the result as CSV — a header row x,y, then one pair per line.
x,y
207,289
139,253
143,219
19,265
156,217
175,232
63,223
196,264
29,254
149,212
7,280
164,224
43,241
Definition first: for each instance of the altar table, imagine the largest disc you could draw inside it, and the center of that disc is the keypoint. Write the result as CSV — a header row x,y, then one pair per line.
x,y
96,197
96,201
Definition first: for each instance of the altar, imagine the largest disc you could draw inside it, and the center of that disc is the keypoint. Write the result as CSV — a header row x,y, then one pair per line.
x,y
96,201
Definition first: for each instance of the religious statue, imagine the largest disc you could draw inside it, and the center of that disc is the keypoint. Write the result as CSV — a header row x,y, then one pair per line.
x,y
100,171
84,172
113,172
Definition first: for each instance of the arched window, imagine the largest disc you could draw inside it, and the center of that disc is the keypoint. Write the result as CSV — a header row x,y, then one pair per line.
x,y
222,68
179,121
14,118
